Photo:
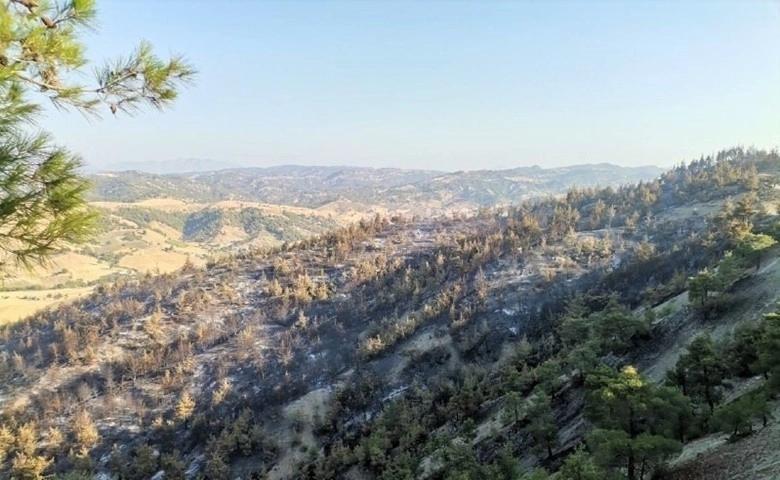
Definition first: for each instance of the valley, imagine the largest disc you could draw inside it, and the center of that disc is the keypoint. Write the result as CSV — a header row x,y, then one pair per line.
x,y
158,236
153,223
487,343
389,240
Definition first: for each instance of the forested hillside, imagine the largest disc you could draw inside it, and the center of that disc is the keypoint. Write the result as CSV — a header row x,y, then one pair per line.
x,y
420,192
156,223
597,334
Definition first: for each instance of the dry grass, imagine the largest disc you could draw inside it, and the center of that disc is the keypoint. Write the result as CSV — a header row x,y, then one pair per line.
x,y
156,261
173,205
167,204
228,235
19,304
81,266
63,268
266,208
165,230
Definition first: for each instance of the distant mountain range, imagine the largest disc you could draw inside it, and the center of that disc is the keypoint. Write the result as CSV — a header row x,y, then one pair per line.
x,y
422,192
176,166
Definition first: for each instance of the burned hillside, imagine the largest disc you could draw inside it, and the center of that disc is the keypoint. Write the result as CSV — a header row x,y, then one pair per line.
x,y
398,347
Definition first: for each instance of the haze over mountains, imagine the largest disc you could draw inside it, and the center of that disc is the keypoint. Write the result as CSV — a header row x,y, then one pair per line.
x,y
416,191
178,165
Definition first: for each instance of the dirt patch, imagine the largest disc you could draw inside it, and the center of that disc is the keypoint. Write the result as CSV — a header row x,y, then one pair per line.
x,y
309,406
299,440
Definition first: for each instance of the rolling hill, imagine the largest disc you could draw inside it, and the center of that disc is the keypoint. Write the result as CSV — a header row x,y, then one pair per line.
x,y
409,191
156,223
488,345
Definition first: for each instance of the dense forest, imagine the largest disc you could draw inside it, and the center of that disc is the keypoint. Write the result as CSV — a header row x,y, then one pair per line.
x,y
511,343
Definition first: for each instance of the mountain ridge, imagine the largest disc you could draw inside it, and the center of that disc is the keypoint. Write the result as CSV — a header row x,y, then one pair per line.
x,y
413,191
164,167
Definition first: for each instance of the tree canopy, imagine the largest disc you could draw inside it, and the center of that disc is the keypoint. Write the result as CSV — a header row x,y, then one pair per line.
x,y
42,57
631,431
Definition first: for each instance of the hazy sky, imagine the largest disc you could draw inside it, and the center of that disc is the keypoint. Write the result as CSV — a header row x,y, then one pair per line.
x,y
442,84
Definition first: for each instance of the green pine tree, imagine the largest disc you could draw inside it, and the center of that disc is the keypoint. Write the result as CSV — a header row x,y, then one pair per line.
x,y
542,427
704,371
629,432
703,288
768,351
42,195
738,416
752,247
580,466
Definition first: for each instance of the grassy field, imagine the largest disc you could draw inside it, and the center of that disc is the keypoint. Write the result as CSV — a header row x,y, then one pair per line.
x,y
146,237
19,304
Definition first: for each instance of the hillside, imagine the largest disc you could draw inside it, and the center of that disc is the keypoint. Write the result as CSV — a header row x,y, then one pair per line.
x,y
413,192
156,223
399,347
158,236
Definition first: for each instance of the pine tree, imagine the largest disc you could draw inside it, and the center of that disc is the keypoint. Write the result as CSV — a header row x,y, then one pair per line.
x,y
616,327
42,195
185,407
459,462
752,247
29,467
513,408
6,441
580,466
629,432
738,416
768,351
506,466
703,370
173,465
583,359
145,462
542,425
701,287
675,412
85,433
742,352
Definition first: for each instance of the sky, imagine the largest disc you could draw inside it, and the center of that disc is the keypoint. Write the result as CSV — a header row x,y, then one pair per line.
x,y
445,84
